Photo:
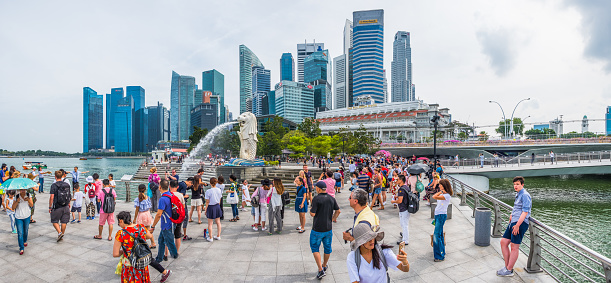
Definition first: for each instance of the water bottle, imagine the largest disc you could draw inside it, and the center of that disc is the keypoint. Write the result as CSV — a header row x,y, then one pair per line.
x,y
206,233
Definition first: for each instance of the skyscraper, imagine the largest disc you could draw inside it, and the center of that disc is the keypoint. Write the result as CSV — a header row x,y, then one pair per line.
x,y
124,121
261,81
385,87
137,93
287,67
269,103
158,124
112,99
181,103
247,60
368,54
401,69
304,50
294,101
140,128
93,120
317,72
341,70
214,81
204,116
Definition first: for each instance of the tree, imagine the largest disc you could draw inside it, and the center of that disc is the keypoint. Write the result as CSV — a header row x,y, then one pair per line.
x,y
363,142
504,127
321,145
271,141
227,140
310,127
198,134
483,136
464,130
540,134
296,142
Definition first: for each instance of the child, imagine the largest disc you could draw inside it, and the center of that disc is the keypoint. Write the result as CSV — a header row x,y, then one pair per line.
x,y
106,215
143,211
78,203
232,198
90,192
8,203
246,196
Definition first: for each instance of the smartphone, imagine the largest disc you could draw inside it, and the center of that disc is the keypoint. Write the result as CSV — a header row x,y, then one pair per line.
x,y
401,247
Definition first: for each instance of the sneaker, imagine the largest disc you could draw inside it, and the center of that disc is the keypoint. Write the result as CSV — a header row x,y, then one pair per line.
x,y
209,239
60,236
14,231
73,220
264,229
165,276
255,228
217,238
165,258
78,221
324,268
438,260
320,274
504,272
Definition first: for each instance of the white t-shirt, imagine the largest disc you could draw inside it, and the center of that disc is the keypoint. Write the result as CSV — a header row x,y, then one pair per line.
x,y
23,210
78,199
113,184
222,187
369,274
442,205
214,194
245,193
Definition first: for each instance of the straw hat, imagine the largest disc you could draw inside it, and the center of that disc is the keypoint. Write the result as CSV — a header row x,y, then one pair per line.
x,y
362,234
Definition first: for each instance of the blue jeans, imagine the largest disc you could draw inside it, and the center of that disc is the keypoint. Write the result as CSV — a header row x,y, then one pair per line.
x,y
234,209
41,187
317,237
11,215
23,226
166,237
439,249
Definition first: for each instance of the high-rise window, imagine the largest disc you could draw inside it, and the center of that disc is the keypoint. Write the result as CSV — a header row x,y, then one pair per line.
x,y
368,54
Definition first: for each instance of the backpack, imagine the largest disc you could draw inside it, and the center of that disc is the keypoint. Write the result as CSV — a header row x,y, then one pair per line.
x,y
337,176
178,209
62,194
141,255
357,259
109,201
90,189
286,199
254,200
412,201
419,186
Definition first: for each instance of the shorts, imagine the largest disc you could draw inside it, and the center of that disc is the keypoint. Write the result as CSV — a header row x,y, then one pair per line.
x,y
75,209
384,189
177,230
338,184
377,191
196,202
317,237
107,217
60,215
516,239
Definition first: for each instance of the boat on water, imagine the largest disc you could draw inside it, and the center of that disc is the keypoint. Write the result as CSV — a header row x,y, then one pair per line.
x,y
82,158
29,165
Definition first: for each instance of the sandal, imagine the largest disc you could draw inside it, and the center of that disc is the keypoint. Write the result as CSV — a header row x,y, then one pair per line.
x,y
190,220
109,238
97,237
32,221
153,247
232,220
301,231
237,218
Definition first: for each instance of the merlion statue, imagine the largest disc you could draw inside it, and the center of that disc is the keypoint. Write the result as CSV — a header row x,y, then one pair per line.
x,y
248,135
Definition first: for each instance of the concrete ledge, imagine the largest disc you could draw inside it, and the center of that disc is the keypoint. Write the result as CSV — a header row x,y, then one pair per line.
x,y
241,172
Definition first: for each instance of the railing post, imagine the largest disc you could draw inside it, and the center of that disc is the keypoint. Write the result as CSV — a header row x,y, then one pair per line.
x,y
497,229
607,269
475,203
454,185
127,196
463,196
534,256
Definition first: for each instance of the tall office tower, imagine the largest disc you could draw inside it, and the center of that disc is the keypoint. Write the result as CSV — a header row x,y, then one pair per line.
x,y
136,92
294,101
317,72
158,124
608,121
304,50
93,120
341,69
287,67
269,103
124,122
261,81
204,116
401,69
214,81
181,102
248,59
140,128
385,87
368,54
111,106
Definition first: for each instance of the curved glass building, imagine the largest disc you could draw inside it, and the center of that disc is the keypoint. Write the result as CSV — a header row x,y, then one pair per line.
x,y
248,60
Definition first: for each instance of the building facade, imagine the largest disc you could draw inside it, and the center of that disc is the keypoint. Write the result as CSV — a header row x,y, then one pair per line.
x,y
317,72
181,102
205,116
585,124
93,120
214,82
269,103
608,121
261,83
401,68
112,99
287,67
124,121
140,128
341,71
248,60
303,51
158,124
390,122
294,101
368,54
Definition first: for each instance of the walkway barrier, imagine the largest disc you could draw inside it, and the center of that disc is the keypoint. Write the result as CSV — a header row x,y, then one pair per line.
x,y
526,159
563,258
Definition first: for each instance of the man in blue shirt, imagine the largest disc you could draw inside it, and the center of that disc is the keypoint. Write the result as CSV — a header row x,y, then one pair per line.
x,y
164,212
517,228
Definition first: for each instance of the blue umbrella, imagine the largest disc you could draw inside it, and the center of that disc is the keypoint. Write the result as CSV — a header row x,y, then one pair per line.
x,y
18,184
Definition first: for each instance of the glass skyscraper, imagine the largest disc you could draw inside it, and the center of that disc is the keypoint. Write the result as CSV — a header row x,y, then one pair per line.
x,y
294,101
137,93
287,67
214,81
182,97
112,99
304,50
261,83
368,54
317,72
158,125
93,120
124,121
341,69
248,60
401,69
140,128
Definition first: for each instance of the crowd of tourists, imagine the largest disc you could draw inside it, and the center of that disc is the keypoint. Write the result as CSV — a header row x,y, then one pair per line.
x,y
163,205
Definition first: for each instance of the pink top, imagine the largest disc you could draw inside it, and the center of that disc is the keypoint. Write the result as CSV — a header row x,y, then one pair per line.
x,y
98,186
154,178
330,186
262,195
100,195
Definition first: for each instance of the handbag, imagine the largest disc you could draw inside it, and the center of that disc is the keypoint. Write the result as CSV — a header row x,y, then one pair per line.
x,y
286,198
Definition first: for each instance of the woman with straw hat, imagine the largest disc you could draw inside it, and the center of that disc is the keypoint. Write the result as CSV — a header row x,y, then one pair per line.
x,y
369,261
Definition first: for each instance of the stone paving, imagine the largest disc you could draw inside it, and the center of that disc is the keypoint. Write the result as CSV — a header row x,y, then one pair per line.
x,y
244,255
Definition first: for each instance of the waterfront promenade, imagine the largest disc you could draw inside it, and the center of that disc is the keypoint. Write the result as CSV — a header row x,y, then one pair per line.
x,y
244,255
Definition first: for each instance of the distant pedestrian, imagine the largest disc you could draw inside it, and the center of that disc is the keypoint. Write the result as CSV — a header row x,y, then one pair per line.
x,y
213,209
89,192
196,198
166,237
77,204
481,160
98,187
143,216
274,208
221,185
552,156
155,194
10,212
107,198
233,198
41,179
21,205
456,161
59,205
443,198
183,187
402,201
519,221
76,175
245,195
324,210
301,203
261,210
532,159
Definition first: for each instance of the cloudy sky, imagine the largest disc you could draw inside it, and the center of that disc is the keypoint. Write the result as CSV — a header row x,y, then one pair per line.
x,y
464,54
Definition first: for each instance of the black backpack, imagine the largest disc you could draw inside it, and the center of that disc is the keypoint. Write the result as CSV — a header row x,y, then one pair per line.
x,y
286,198
141,255
413,202
109,202
62,194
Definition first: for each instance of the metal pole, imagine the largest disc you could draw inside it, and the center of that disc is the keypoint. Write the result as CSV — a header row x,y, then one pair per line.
x,y
514,111
504,118
497,229
534,256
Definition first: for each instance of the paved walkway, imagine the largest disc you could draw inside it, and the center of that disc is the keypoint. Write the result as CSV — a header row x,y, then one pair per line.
x,y
244,255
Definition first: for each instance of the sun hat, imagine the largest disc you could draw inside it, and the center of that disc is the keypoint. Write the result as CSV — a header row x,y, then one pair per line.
x,y
266,182
89,179
363,233
322,185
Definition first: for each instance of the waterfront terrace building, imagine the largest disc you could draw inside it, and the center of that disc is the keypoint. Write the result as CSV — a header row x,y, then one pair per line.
x,y
407,121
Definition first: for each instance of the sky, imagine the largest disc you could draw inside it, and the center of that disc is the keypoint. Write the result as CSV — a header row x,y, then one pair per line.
x,y
464,54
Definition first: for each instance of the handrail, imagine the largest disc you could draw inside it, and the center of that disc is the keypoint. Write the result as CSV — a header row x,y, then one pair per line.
x,y
540,238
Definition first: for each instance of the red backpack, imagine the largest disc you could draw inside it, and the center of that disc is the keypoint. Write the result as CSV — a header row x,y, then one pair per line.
x,y
90,189
178,209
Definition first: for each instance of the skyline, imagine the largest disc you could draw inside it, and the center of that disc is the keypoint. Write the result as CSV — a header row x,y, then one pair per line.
x,y
461,55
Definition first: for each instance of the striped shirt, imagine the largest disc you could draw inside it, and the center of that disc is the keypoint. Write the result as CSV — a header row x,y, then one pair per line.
x,y
363,181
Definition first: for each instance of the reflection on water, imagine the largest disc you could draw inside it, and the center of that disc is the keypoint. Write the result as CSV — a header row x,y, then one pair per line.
x,y
578,206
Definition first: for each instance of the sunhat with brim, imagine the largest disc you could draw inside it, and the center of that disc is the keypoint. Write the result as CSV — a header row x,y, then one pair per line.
x,y
89,179
363,233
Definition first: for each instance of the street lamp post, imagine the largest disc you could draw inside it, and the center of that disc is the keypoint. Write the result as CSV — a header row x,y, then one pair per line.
x,y
435,121
514,111
504,118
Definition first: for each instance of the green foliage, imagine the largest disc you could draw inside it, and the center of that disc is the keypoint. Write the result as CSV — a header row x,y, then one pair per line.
x,y
542,134
483,136
464,130
296,142
504,127
321,145
310,127
198,134
271,142
226,140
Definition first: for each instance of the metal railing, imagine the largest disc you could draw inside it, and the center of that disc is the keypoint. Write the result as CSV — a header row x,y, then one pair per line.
x,y
527,160
563,258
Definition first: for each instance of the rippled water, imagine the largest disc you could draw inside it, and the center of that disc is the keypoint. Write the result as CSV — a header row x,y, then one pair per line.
x,y
578,206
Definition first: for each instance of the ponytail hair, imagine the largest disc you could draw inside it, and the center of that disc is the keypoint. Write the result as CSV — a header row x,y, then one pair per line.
x,y
141,191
